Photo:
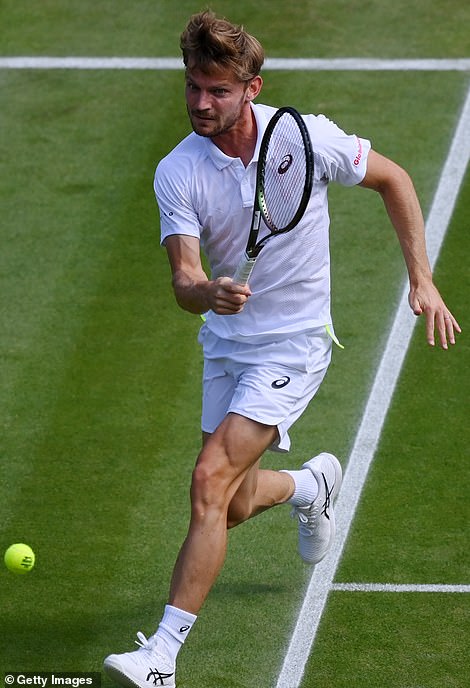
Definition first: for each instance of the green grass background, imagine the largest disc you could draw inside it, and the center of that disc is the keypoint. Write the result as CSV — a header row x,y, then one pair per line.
x,y
100,369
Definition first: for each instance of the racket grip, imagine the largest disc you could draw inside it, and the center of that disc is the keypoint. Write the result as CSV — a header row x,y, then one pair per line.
x,y
244,270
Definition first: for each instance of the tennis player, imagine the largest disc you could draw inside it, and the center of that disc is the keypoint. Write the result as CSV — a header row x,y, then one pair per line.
x,y
267,345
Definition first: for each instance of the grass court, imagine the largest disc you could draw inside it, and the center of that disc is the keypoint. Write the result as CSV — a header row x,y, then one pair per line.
x,y
101,370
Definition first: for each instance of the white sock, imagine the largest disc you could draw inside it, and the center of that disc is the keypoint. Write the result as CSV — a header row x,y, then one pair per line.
x,y
306,487
173,630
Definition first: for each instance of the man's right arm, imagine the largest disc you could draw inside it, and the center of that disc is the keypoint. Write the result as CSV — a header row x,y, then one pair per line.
x,y
194,291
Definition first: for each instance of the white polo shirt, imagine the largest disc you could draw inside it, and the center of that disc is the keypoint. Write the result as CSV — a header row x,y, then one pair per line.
x,y
202,192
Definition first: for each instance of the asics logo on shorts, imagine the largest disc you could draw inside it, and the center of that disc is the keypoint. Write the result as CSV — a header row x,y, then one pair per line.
x,y
282,382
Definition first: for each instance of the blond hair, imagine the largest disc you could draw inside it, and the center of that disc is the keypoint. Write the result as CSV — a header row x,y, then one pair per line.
x,y
211,44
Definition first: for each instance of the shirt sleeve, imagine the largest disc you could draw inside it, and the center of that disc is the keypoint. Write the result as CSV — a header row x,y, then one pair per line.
x,y
173,194
339,157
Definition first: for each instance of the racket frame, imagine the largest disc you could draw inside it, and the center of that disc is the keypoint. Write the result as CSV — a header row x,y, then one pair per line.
x,y
260,210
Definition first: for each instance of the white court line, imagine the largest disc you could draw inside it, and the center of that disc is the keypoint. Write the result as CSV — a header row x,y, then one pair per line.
x,y
370,429
273,63
403,587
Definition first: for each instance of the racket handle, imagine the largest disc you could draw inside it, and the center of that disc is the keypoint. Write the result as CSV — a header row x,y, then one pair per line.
x,y
244,270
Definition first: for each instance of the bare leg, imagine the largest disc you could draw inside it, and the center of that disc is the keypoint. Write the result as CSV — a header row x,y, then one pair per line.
x,y
260,490
227,466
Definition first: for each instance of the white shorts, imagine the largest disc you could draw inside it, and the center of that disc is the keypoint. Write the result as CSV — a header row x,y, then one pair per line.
x,y
269,383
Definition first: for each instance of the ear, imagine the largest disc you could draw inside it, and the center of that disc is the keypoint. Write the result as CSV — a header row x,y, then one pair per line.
x,y
253,88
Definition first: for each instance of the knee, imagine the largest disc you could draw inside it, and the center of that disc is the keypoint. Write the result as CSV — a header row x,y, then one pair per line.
x,y
207,489
212,492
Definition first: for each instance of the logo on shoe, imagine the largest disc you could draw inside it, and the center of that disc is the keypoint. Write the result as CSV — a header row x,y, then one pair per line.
x,y
327,504
157,677
282,382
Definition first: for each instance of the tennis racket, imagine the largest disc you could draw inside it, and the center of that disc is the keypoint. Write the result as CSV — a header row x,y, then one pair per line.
x,y
284,181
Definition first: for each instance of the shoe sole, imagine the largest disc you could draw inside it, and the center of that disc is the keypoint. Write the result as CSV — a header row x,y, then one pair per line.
x,y
118,677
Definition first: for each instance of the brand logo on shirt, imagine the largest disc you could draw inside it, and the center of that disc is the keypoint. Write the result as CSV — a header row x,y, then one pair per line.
x,y
358,157
282,382
286,162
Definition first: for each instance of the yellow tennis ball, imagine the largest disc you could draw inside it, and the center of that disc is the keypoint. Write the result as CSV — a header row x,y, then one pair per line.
x,y
19,558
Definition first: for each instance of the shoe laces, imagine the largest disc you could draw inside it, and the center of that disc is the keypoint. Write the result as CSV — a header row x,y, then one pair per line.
x,y
154,658
307,517
144,642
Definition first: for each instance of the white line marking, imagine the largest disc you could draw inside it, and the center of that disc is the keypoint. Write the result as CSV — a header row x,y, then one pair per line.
x,y
367,64
155,63
271,63
370,429
388,587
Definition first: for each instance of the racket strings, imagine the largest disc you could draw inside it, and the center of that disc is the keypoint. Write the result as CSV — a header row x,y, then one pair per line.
x,y
285,174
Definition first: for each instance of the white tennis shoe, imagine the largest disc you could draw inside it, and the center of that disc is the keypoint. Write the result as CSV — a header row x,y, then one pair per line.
x,y
142,668
317,521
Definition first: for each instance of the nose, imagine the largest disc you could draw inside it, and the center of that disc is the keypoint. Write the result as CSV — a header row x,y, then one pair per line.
x,y
200,101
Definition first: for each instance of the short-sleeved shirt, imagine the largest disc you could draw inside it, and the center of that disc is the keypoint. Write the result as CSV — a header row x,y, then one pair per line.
x,y
203,193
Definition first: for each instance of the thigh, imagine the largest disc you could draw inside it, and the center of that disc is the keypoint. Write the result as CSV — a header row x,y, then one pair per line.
x,y
238,442
230,456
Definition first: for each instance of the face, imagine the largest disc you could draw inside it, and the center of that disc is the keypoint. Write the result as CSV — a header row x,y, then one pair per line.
x,y
216,102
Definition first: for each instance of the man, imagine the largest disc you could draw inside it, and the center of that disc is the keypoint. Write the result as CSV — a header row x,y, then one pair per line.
x,y
267,345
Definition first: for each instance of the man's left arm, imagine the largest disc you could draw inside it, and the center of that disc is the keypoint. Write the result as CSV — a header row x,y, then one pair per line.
x,y
400,199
